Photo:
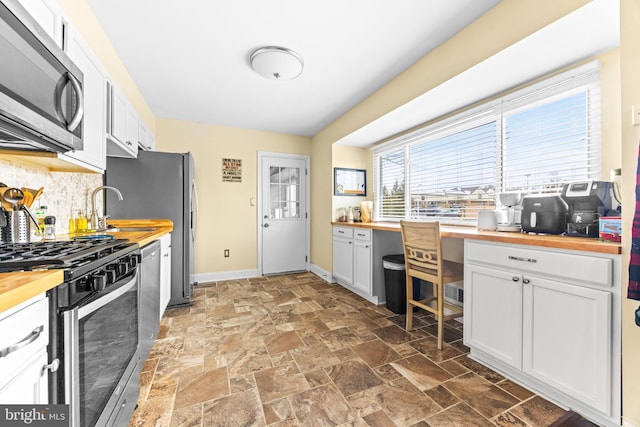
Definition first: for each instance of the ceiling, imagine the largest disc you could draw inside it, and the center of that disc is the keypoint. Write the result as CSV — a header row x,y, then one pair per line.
x,y
190,59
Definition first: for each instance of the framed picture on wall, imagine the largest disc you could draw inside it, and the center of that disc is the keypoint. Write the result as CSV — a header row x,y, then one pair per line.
x,y
349,182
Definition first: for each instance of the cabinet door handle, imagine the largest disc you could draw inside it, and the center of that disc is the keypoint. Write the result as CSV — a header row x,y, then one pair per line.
x,y
350,242
33,335
517,258
525,281
515,278
51,367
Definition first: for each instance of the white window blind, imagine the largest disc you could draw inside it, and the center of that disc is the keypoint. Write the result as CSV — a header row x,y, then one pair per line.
x,y
389,176
533,140
552,136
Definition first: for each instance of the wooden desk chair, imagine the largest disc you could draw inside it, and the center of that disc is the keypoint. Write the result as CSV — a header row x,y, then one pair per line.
x,y
423,260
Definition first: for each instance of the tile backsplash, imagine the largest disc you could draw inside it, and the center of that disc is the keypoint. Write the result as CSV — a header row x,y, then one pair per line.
x,y
64,192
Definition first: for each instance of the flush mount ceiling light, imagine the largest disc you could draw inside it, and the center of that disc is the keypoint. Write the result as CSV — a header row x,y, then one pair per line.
x,y
276,63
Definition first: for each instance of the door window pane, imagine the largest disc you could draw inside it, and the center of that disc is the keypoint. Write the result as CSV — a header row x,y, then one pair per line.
x,y
284,193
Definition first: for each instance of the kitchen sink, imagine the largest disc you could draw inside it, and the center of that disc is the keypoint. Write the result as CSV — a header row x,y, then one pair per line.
x,y
129,229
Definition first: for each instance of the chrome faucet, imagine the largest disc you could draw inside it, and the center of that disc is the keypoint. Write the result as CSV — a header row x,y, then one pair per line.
x,y
100,223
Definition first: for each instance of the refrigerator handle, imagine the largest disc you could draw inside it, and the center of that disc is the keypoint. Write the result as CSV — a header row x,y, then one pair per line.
x,y
194,209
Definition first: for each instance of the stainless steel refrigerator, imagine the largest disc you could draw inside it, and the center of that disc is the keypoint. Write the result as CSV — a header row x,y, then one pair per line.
x,y
159,185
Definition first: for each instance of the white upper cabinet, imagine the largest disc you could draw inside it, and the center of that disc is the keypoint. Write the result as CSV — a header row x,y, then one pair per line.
x,y
122,138
93,153
133,129
146,139
48,15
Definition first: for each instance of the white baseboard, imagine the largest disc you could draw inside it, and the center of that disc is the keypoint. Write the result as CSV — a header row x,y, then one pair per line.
x,y
225,275
626,423
323,274
246,274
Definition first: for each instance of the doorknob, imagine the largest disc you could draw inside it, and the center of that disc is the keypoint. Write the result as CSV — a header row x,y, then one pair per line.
x,y
266,225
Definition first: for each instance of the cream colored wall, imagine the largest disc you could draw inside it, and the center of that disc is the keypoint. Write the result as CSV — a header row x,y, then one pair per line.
x,y
629,66
501,27
352,158
225,218
82,17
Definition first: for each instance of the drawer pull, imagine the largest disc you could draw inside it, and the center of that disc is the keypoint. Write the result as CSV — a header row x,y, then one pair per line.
x,y
360,234
23,342
517,258
515,278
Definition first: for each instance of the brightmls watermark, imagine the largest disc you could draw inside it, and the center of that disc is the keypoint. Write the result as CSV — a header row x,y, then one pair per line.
x,y
34,415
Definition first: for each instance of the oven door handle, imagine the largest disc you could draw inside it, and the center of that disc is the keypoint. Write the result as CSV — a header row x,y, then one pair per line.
x,y
107,298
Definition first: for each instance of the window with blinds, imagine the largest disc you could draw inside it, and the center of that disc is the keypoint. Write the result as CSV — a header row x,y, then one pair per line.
x,y
532,141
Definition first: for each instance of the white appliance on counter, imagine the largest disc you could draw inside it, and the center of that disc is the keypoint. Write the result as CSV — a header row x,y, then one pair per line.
x,y
510,212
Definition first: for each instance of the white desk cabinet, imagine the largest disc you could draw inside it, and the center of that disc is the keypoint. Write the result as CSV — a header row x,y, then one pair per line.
x,y
352,260
549,319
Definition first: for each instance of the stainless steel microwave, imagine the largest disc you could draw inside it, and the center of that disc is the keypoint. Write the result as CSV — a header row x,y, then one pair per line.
x,y
41,101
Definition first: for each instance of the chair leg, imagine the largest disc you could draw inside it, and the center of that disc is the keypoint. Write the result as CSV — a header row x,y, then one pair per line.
x,y
409,286
440,303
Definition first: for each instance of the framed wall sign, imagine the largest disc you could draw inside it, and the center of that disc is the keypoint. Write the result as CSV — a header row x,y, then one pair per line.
x,y
349,182
231,170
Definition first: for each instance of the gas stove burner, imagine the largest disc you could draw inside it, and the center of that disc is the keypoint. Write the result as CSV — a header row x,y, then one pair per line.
x,y
68,255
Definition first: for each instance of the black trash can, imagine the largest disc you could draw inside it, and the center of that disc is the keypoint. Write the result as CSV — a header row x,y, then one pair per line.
x,y
395,286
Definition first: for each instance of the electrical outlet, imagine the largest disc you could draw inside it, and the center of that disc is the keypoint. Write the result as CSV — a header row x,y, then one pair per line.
x,y
226,253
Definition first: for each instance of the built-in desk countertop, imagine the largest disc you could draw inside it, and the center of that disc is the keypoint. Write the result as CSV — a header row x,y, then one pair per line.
x,y
470,232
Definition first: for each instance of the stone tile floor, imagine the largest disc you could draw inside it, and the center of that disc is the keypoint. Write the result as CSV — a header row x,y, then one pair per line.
x,y
293,350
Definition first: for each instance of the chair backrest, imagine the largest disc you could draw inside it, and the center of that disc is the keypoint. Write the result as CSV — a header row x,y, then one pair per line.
x,y
422,249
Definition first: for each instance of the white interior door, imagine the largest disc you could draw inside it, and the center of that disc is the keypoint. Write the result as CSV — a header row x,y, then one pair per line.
x,y
283,216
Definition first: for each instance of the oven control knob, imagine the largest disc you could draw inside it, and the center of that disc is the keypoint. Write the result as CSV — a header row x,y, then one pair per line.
x,y
133,262
98,281
123,268
111,275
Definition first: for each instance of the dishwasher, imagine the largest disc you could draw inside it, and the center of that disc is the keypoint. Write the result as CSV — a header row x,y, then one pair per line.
x,y
149,297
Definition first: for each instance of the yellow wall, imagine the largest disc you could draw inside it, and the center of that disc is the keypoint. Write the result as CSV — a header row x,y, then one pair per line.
x,y
225,218
352,158
499,28
82,18
629,72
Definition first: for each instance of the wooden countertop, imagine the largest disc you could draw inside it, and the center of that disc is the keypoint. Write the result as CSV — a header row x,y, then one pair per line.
x,y
470,232
142,238
20,286
17,287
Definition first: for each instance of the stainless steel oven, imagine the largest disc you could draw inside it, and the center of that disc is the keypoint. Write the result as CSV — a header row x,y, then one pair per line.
x,y
101,353
93,324
41,101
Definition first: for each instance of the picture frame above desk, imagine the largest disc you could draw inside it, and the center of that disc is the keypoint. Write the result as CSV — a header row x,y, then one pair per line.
x,y
349,182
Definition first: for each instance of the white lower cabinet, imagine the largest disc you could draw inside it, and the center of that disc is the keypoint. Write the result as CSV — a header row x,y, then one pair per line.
x,y
165,272
352,259
567,339
29,386
24,335
537,316
362,266
493,313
